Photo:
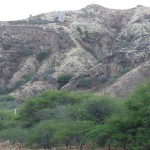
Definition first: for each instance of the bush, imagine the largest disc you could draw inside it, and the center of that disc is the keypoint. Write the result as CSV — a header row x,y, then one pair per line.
x,y
26,51
79,30
50,70
14,135
147,16
131,129
99,108
84,83
8,105
36,20
47,72
73,133
7,102
28,76
87,34
3,90
7,119
41,135
139,20
6,46
6,98
41,56
64,79
47,100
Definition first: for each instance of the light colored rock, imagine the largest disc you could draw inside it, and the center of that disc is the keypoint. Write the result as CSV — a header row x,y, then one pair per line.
x,y
126,84
26,66
109,41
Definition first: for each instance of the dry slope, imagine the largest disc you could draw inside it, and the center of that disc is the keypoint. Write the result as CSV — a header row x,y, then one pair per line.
x,y
94,45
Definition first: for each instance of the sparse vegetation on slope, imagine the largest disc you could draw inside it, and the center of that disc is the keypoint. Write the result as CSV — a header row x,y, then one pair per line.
x,y
94,36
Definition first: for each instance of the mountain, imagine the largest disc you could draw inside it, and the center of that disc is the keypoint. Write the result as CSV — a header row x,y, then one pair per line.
x,y
96,49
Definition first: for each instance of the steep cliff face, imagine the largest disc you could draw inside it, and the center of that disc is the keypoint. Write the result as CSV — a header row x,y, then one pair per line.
x,y
85,50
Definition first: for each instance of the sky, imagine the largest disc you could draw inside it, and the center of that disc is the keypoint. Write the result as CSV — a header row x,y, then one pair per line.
x,y
21,9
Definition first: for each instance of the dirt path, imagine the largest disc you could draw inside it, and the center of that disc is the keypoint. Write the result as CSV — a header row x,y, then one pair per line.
x,y
7,146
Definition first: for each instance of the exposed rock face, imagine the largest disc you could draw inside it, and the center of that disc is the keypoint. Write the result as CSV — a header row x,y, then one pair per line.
x,y
126,84
94,45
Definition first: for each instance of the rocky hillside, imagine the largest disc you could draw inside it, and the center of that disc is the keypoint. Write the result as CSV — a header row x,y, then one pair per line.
x,y
93,49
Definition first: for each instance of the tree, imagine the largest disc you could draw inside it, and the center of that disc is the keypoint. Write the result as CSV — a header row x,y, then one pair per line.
x,y
138,106
98,108
7,120
99,136
41,135
29,111
73,133
14,135
41,56
64,79
131,129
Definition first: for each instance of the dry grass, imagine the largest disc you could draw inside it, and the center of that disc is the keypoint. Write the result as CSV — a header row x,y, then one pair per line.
x,y
7,146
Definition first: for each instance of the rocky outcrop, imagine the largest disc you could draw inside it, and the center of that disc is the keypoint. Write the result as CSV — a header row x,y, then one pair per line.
x,y
126,84
94,45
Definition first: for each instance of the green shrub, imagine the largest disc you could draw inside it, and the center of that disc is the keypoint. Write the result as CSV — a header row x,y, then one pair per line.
x,y
28,76
83,83
26,51
130,38
139,20
99,108
14,135
36,20
73,133
6,46
8,105
87,34
6,98
47,72
79,30
3,90
50,70
147,16
5,115
64,79
7,120
41,56
131,129
47,100
41,135
19,83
